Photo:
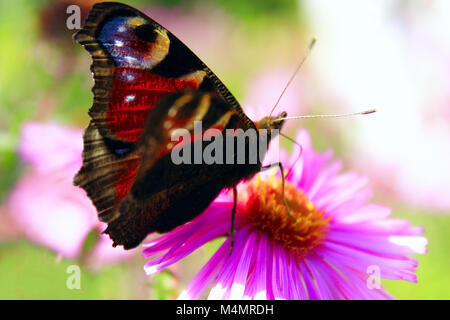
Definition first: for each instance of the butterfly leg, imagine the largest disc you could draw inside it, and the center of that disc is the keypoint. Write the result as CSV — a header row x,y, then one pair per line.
x,y
233,213
280,165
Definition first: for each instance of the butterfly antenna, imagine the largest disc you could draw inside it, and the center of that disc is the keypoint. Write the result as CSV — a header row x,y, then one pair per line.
x,y
311,45
327,115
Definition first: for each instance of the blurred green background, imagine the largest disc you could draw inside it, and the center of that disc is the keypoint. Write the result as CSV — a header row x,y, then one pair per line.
x,y
44,76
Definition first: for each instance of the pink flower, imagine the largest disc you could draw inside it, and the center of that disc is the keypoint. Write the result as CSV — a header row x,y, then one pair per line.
x,y
327,251
45,206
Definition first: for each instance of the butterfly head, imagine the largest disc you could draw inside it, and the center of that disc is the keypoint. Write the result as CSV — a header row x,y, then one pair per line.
x,y
272,123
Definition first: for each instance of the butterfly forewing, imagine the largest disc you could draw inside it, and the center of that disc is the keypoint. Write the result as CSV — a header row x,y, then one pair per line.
x,y
135,63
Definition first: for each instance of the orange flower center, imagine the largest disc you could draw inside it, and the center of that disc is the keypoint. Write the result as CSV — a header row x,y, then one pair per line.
x,y
300,231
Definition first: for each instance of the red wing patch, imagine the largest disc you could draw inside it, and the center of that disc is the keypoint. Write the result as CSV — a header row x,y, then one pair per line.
x,y
134,93
125,177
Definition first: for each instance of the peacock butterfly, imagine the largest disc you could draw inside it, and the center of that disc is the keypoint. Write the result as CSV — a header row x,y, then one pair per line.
x,y
148,84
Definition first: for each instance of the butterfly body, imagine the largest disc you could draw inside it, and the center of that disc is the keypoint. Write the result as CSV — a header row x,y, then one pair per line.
x,y
147,86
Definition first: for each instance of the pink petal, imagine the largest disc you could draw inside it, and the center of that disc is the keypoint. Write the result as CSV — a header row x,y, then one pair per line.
x,y
222,287
207,274
394,269
241,273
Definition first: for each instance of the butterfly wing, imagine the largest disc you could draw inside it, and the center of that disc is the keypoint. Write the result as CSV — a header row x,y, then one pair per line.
x,y
141,71
136,63
165,195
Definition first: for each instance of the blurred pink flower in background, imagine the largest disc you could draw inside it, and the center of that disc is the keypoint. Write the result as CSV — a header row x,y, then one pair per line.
x,y
393,56
44,205
203,29
326,253
265,89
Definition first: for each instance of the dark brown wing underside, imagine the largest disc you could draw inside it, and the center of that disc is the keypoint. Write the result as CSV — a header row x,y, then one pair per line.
x,y
139,68
165,195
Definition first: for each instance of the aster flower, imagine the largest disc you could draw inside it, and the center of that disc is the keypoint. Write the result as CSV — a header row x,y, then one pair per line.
x,y
324,254
45,207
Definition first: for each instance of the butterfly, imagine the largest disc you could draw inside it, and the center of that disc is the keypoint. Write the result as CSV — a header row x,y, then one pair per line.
x,y
147,85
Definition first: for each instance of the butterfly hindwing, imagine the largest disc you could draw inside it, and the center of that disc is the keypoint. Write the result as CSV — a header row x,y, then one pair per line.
x,y
108,171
